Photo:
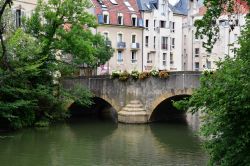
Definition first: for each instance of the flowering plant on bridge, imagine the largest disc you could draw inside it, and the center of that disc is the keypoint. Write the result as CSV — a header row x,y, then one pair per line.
x,y
154,73
135,74
124,76
163,74
115,74
144,75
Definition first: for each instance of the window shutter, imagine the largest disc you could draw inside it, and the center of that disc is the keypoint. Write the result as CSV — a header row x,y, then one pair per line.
x,y
100,18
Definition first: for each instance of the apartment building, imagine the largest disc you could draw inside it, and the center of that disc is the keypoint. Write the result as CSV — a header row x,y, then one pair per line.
x,y
162,34
22,8
195,57
121,24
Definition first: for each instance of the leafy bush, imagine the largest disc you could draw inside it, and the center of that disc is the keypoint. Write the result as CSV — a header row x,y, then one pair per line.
x,y
124,76
154,73
135,74
144,75
115,74
163,74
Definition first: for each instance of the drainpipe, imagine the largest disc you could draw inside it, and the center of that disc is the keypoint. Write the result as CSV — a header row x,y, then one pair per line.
x,y
192,43
142,47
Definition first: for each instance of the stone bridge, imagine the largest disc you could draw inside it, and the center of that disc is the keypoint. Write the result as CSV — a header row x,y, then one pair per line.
x,y
136,100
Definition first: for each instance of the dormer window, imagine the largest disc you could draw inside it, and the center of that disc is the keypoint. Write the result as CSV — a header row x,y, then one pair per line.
x,y
120,19
105,17
134,20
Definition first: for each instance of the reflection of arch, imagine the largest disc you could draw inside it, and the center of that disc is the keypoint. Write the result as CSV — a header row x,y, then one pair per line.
x,y
167,95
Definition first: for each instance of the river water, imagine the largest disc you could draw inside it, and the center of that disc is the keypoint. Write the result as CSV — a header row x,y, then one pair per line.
x,y
101,143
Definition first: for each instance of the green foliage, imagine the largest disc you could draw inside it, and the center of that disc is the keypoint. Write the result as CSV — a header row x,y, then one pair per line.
x,y
124,76
115,74
135,74
223,98
208,26
33,61
80,95
154,73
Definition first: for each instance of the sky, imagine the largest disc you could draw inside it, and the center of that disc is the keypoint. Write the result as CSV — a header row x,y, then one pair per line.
x,y
173,2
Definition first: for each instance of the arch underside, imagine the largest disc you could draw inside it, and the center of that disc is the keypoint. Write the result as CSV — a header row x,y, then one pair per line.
x,y
162,106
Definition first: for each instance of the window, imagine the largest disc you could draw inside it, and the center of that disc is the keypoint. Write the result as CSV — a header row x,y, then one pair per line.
x,y
163,24
146,41
18,16
164,59
154,24
113,2
134,20
105,34
146,24
163,9
119,37
133,38
209,64
149,58
120,18
154,41
197,52
133,57
171,58
197,66
185,39
164,43
172,26
235,37
105,17
119,57
172,42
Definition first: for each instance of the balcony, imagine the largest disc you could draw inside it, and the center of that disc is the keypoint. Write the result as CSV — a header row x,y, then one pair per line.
x,y
164,46
135,46
121,45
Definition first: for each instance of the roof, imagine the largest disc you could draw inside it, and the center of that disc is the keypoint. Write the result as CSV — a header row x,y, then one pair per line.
x,y
180,8
113,7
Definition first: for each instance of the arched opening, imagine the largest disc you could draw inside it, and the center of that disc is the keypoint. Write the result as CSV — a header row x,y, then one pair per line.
x,y
166,112
100,109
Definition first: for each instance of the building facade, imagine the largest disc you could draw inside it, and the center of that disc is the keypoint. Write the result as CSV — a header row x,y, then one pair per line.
x,y
195,57
121,24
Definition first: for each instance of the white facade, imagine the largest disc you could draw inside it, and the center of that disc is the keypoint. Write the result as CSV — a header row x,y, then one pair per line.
x,y
162,39
195,57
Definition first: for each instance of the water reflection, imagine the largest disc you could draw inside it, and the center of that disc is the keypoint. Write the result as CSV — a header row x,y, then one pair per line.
x,y
102,143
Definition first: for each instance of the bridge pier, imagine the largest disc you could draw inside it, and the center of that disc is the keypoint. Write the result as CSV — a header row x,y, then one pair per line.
x,y
133,113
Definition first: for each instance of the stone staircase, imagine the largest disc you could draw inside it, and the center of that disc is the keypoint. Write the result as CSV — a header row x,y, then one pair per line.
x,y
133,112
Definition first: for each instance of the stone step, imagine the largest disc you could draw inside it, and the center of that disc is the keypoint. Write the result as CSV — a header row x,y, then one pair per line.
x,y
125,113
134,105
131,109
135,102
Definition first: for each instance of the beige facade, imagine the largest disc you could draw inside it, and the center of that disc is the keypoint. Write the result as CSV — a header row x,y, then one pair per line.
x,y
127,44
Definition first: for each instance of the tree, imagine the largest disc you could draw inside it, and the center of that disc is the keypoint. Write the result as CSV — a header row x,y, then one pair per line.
x,y
224,95
30,93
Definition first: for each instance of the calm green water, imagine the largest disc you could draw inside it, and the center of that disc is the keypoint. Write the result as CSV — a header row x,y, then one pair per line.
x,y
102,143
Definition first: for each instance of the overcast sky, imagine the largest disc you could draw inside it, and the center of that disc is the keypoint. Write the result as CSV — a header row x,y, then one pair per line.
x,y
173,2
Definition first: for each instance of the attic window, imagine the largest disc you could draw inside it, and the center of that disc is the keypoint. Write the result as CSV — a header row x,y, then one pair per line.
x,y
127,4
113,2
131,9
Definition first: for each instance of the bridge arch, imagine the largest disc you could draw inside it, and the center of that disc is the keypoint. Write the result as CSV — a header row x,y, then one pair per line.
x,y
167,97
101,107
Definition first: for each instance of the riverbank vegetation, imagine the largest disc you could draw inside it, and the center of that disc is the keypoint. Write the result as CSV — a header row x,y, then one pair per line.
x,y
51,44
224,95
